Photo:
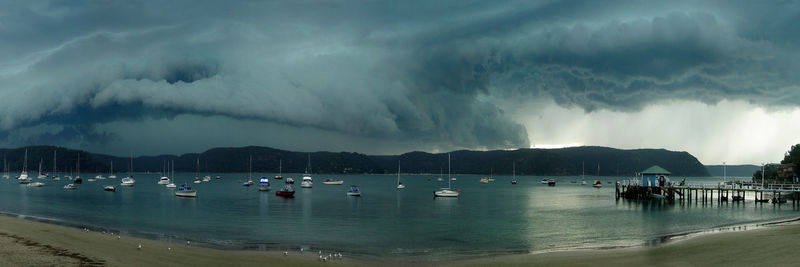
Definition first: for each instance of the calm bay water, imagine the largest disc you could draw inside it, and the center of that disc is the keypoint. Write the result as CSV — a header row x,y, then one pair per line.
x,y
486,219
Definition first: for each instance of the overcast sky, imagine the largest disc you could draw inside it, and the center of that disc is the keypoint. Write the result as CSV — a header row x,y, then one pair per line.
x,y
716,79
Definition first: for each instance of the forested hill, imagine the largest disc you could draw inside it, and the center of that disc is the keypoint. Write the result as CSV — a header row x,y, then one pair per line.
x,y
565,161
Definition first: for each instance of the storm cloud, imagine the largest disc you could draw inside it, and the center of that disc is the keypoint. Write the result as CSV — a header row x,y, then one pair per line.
x,y
440,75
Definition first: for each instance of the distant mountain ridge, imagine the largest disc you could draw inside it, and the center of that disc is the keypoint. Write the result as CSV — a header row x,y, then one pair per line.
x,y
564,161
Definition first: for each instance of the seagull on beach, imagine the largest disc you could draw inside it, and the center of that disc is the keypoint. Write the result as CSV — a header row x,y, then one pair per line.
x,y
301,250
140,247
188,243
285,253
118,237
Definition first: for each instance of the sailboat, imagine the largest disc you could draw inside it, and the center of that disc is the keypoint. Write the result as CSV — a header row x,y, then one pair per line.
x,y
111,175
41,175
78,179
164,179
197,172
129,181
55,170
280,170
171,184
447,192
598,183
250,176
5,168
514,173
23,176
400,185
307,180
38,184
207,178
583,169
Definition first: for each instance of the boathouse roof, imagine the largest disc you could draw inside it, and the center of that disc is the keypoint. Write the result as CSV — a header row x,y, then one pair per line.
x,y
655,169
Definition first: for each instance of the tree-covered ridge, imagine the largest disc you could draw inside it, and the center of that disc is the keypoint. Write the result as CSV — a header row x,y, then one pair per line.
x,y
565,161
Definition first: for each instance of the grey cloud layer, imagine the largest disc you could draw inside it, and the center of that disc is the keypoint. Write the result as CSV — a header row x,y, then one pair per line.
x,y
433,72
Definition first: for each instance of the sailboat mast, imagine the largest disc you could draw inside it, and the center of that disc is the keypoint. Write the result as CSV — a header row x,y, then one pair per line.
x,y
130,171
448,172
280,167
398,172
54,163
197,172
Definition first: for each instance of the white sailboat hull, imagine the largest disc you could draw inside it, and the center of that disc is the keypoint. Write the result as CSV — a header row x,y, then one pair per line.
x,y
446,193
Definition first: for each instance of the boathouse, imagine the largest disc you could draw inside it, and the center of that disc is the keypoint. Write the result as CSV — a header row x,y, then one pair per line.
x,y
655,177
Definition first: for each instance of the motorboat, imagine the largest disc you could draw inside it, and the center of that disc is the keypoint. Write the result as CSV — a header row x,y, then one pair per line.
x,y
197,180
289,180
354,191
286,191
544,181
91,179
484,180
185,191
263,184
597,184
109,188
163,180
307,181
551,182
36,184
333,181
127,181
71,186
440,179
207,178
447,192
171,185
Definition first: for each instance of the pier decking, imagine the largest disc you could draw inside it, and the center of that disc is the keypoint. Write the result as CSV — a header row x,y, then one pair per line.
x,y
735,192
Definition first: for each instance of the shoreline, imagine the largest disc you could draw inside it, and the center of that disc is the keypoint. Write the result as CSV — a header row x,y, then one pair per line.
x,y
60,244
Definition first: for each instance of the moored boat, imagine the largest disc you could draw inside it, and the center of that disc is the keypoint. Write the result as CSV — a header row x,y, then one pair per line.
x,y
71,186
286,191
551,182
289,180
597,183
332,181
109,188
447,192
354,191
263,184
185,191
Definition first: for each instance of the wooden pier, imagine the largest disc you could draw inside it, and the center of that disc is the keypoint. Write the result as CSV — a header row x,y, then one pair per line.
x,y
734,192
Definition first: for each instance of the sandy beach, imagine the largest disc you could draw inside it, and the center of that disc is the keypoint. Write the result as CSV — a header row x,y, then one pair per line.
x,y
30,243
772,245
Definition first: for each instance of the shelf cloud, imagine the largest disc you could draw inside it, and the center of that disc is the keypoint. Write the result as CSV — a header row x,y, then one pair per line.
x,y
441,75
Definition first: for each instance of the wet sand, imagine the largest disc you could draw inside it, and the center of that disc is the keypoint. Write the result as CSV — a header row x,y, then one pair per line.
x,y
31,243
773,245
